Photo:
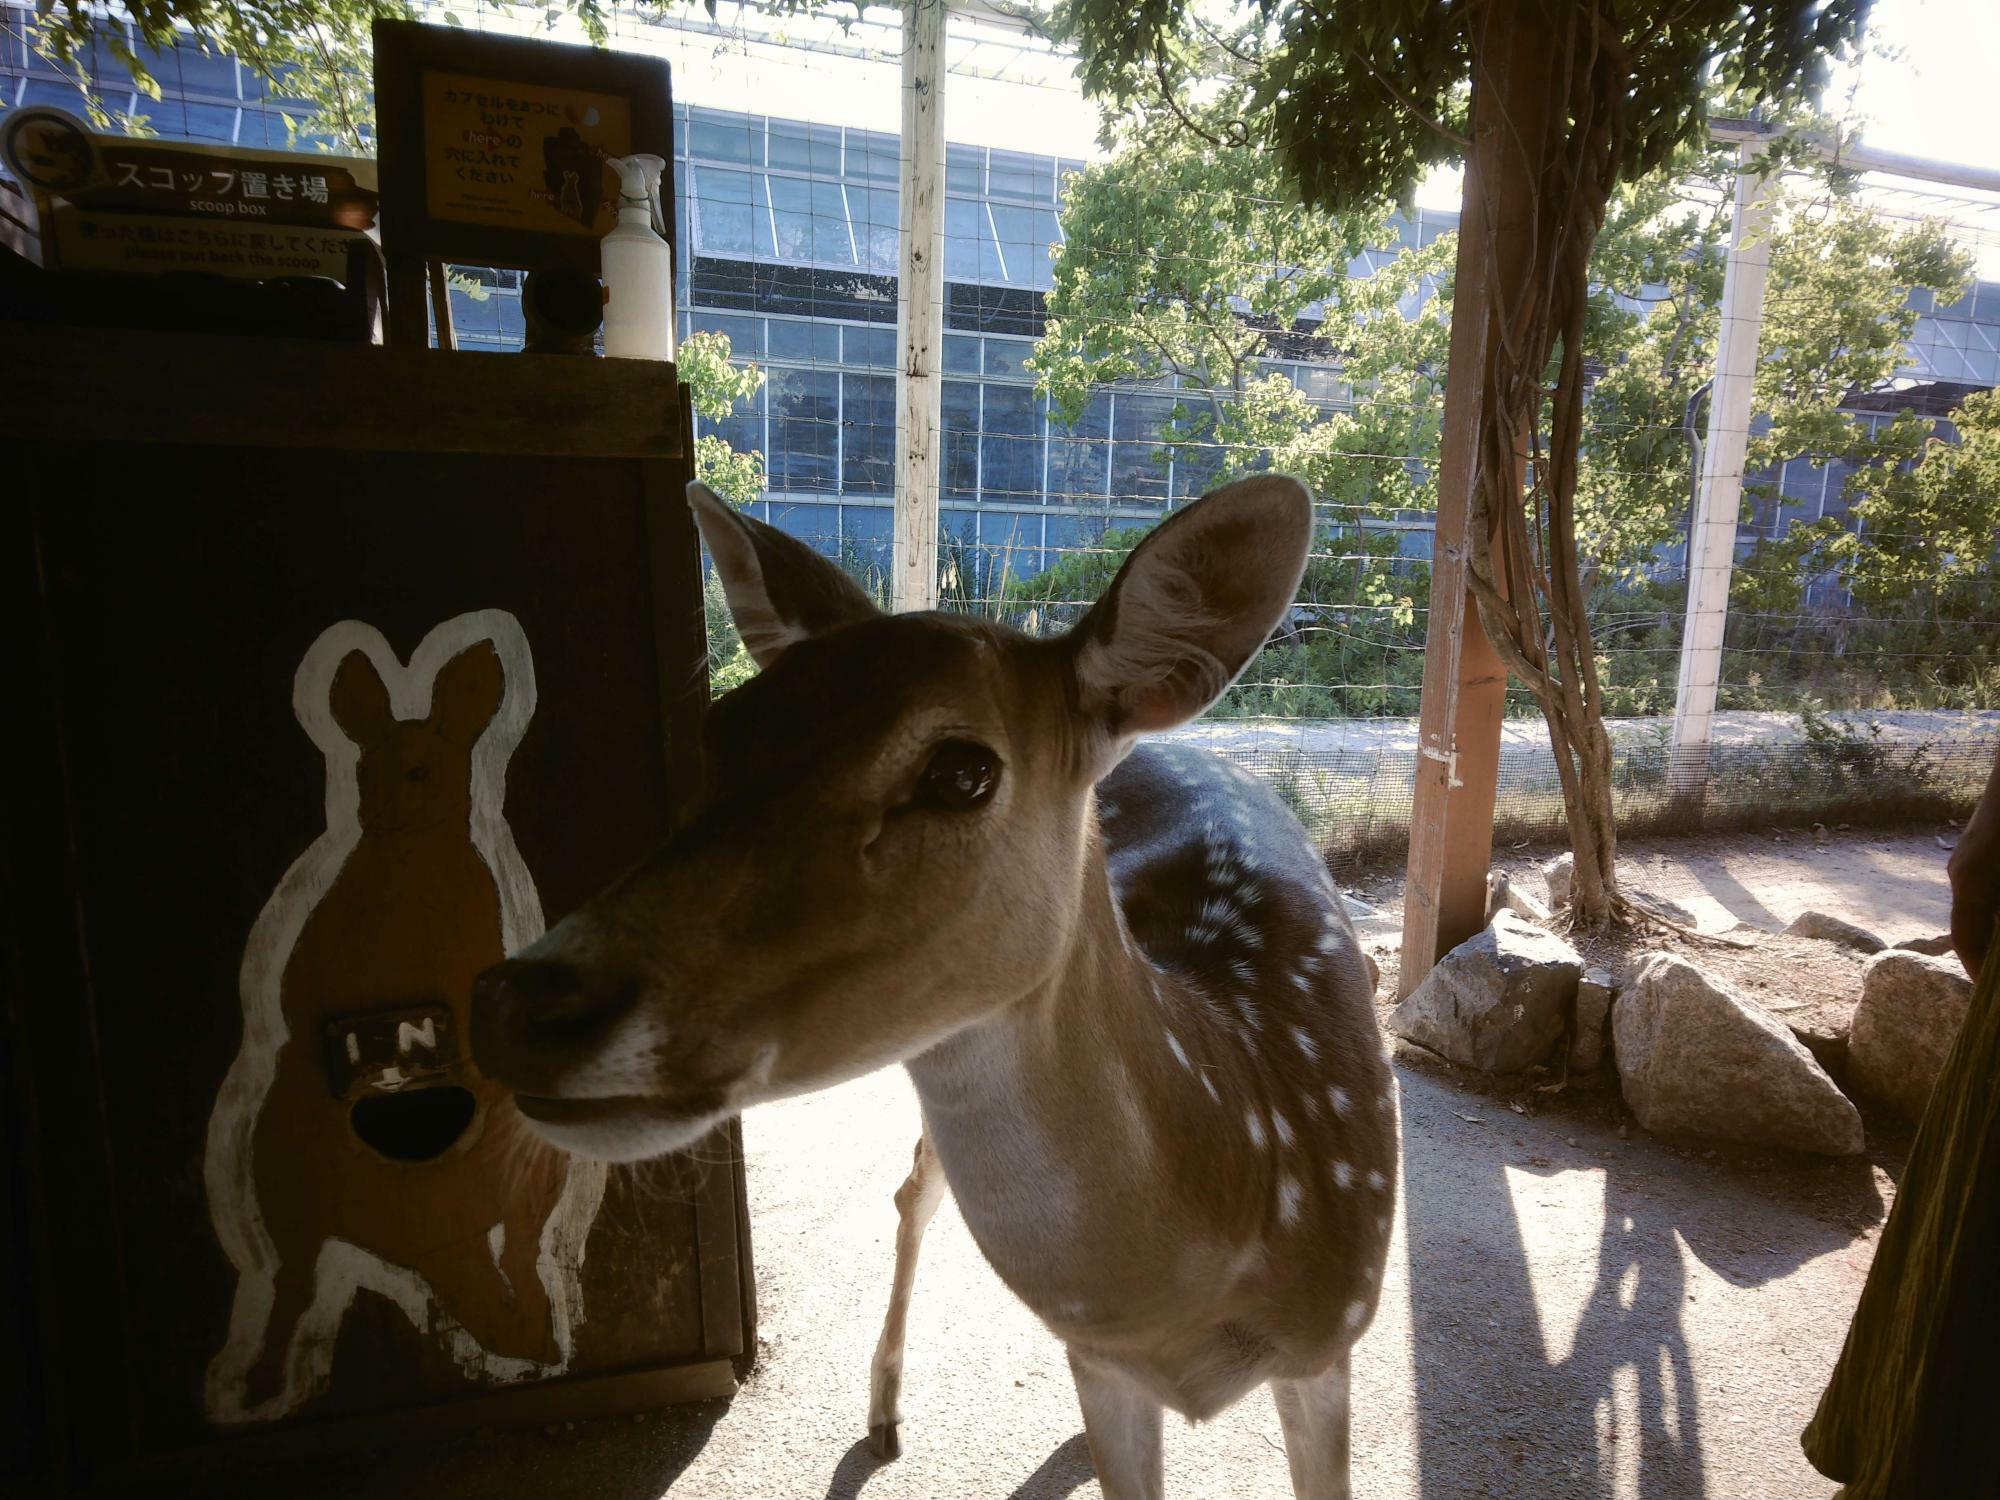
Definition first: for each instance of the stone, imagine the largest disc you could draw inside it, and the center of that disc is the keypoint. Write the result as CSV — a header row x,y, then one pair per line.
x,y
1832,929
1593,1013
1558,873
1498,1001
1503,894
1660,906
1374,972
1697,1059
1936,947
1912,1006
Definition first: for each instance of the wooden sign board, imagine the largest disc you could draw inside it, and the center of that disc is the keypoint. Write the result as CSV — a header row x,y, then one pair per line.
x,y
112,203
493,152
380,681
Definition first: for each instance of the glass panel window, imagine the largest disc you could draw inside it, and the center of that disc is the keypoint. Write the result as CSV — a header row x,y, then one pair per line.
x,y
812,221
746,335
1010,451
169,117
873,211
866,540
817,525
64,96
805,430
743,428
965,169
1015,175
1007,357
874,157
869,346
960,420
805,148
189,70
732,213
1196,464
868,448
1025,237
211,122
1138,465
1078,455
967,246
809,343
1014,545
961,354
722,137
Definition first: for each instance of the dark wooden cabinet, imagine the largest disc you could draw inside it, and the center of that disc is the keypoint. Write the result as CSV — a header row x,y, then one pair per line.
x,y
241,573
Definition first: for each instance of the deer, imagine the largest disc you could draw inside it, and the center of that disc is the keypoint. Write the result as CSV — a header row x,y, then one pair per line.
x,y
1154,1082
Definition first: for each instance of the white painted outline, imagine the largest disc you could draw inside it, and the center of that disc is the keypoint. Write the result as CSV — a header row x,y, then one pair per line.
x,y
344,1269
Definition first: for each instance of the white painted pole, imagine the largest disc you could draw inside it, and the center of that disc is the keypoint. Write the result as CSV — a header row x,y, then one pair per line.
x,y
919,309
1712,539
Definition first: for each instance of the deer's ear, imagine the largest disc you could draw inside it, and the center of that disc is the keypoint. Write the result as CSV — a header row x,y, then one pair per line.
x,y
1193,605
780,591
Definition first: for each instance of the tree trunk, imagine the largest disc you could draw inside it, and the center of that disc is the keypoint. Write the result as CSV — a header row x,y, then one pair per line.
x,y
1529,586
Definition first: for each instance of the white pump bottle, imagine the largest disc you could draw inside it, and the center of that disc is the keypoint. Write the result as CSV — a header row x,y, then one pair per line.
x,y
638,267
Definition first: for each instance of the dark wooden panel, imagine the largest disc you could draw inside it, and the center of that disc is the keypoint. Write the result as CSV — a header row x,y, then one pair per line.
x,y
277,394
183,592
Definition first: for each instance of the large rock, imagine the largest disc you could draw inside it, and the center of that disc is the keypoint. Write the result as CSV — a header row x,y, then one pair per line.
x,y
1936,947
1593,1014
1696,1058
1498,1001
1911,1009
1832,929
1560,874
1503,895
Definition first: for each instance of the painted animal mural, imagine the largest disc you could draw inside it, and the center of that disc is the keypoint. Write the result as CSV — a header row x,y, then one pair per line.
x,y
354,1146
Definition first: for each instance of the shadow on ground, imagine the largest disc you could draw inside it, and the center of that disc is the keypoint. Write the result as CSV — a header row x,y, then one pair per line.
x,y
605,1458
1603,1402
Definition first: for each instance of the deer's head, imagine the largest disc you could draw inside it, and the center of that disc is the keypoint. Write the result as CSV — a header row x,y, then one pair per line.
x,y
891,842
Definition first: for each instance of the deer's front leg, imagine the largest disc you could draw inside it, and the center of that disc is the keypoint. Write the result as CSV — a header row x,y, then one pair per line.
x,y
916,1200
1313,1413
1121,1423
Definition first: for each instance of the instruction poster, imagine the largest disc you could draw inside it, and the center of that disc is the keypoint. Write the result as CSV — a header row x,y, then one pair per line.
x,y
521,155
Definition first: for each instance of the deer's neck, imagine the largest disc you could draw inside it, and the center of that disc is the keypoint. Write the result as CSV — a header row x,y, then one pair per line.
x,y
1028,1106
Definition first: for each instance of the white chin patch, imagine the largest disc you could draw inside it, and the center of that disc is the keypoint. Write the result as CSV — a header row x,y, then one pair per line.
x,y
624,1140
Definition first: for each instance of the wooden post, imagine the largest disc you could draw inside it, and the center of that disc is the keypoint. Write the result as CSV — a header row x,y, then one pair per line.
x,y
1465,682
919,309
1711,553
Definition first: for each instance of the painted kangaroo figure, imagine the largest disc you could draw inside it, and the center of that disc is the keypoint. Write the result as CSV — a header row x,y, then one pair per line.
x,y
1156,1087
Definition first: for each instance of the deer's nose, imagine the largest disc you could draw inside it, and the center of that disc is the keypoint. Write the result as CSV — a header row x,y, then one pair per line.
x,y
532,1017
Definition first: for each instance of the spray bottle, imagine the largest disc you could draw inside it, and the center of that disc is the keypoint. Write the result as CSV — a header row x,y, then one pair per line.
x,y
638,267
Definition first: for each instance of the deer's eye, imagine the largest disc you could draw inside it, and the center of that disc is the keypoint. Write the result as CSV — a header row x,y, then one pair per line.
x,y
960,775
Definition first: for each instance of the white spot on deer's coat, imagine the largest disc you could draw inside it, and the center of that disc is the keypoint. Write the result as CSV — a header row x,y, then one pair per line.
x,y
1208,1083
1343,1173
1288,1201
1249,1013
1376,1180
1282,1127
1337,1097
1357,1312
1331,938
1255,1125
1307,1046
1180,1056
